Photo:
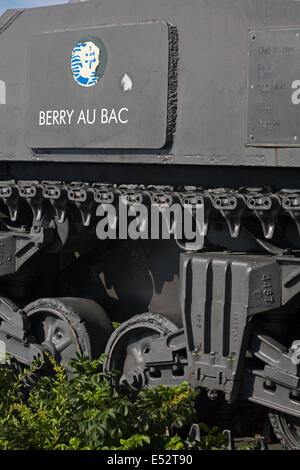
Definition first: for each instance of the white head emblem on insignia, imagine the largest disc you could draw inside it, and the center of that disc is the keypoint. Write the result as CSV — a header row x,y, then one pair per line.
x,y
85,60
127,83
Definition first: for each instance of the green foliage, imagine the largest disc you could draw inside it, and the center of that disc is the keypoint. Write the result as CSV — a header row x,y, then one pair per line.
x,y
211,438
86,412
247,446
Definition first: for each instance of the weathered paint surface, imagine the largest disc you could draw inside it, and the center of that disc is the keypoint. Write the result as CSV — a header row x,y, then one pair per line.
x,y
208,85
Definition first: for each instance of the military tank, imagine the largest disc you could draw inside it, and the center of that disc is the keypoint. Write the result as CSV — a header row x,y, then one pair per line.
x,y
105,104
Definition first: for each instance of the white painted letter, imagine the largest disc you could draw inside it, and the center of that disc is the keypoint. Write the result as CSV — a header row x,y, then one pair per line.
x,y
81,117
113,116
55,117
70,114
104,116
42,120
123,110
49,118
91,120
295,95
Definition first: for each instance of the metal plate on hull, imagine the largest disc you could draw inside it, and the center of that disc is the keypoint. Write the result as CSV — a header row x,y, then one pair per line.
x,y
103,87
274,87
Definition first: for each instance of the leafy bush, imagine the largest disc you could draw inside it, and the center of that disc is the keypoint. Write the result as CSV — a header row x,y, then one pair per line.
x,y
86,412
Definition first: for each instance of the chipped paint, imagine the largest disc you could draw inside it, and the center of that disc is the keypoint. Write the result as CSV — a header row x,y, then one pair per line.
x,y
2,92
127,83
276,156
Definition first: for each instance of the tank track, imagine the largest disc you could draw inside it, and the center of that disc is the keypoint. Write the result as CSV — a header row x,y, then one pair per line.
x,y
276,429
231,205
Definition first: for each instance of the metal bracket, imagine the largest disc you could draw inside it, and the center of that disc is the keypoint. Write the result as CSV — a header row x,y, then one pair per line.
x,y
17,246
232,208
58,196
83,197
275,396
10,196
266,208
272,353
13,321
291,203
15,332
33,193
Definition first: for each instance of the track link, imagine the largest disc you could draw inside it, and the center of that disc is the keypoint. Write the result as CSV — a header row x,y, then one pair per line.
x,y
231,205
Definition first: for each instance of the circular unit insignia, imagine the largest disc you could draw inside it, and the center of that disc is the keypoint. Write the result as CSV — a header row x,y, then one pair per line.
x,y
88,61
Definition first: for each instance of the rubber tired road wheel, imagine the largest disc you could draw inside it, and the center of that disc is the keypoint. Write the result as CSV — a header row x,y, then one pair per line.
x,y
66,326
286,428
126,349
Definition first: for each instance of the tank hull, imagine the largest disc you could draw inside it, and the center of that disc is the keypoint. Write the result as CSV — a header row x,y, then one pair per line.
x,y
213,121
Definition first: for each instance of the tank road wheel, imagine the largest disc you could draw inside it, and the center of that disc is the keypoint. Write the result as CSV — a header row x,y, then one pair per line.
x,y
125,350
286,428
66,326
